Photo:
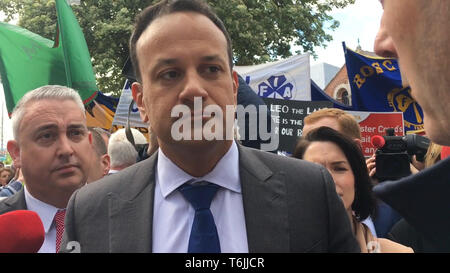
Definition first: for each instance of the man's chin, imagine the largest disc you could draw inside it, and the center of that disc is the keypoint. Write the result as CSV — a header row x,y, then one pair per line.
x,y
199,145
71,182
196,142
436,133
199,135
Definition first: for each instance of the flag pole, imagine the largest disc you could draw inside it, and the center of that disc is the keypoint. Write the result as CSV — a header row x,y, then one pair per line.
x,y
2,123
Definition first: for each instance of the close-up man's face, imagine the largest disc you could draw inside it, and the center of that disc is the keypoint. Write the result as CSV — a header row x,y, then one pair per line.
x,y
53,148
419,32
181,56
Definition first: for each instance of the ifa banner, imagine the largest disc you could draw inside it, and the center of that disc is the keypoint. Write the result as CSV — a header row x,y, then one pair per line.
x,y
287,79
375,123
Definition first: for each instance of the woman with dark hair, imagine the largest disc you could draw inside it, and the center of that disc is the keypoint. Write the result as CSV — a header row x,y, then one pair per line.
x,y
346,164
5,175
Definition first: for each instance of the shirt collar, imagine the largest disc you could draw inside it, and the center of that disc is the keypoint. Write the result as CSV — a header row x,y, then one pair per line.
x,y
111,171
224,174
45,211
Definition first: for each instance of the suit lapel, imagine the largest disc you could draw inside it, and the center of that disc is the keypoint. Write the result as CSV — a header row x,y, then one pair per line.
x,y
15,202
264,197
132,211
265,205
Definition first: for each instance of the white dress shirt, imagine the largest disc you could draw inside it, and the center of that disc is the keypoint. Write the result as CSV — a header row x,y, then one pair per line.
x,y
369,223
46,212
173,215
111,171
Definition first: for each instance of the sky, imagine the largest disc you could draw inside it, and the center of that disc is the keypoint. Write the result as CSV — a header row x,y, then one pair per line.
x,y
360,20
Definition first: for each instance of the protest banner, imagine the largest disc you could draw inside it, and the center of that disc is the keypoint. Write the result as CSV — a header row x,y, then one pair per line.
x,y
288,120
287,79
373,123
377,86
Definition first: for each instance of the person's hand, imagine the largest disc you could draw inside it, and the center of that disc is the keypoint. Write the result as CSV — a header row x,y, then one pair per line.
x,y
413,169
417,165
371,166
17,174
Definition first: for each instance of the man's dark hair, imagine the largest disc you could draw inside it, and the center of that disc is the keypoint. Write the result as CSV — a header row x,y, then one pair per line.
x,y
98,141
364,204
165,7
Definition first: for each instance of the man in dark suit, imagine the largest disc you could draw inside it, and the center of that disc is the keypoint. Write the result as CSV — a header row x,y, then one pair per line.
x,y
101,161
422,48
51,147
202,192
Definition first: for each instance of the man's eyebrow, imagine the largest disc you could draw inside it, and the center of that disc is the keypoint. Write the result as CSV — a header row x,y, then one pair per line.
x,y
171,61
164,62
54,126
210,58
76,126
47,127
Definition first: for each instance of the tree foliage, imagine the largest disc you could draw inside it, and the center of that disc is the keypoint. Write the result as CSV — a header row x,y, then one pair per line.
x,y
261,30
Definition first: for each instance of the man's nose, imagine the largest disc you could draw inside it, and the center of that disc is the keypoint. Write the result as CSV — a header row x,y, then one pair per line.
x,y
193,87
384,45
65,146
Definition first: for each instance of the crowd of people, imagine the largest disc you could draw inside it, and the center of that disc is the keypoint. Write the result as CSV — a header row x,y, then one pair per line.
x,y
217,195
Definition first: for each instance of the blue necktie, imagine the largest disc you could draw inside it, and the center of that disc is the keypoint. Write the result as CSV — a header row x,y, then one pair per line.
x,y
204,237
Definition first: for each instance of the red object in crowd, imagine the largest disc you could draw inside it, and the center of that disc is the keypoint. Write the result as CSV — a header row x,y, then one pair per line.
x,y
445,152
21,231
377,141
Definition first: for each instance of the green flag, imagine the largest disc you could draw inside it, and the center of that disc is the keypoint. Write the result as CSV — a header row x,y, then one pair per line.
x,y
28,61
77,61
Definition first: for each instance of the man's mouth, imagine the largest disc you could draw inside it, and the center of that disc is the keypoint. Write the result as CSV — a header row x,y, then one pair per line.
x,y
66,168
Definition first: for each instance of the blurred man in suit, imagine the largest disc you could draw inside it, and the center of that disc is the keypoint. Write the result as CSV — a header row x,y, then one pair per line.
x,y
52,147
416,32
202,194
100,164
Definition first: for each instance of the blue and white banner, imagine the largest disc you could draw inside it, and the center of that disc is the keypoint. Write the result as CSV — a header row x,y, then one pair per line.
x,y
120,118
287,79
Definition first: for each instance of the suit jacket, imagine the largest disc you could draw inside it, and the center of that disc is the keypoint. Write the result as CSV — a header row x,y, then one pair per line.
x,y
290,205
405,234
423,201
14,202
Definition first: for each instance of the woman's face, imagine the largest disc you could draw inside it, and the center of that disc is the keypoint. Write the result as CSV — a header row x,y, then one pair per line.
x,y
4,177
331,157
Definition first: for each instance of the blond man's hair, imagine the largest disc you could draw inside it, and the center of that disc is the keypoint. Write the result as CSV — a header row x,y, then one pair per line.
x,y
347,123
433,154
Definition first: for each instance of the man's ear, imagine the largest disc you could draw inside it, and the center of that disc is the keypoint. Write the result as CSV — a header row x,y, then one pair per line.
x,y
235,85
138,95
90,137
106,163
14,152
